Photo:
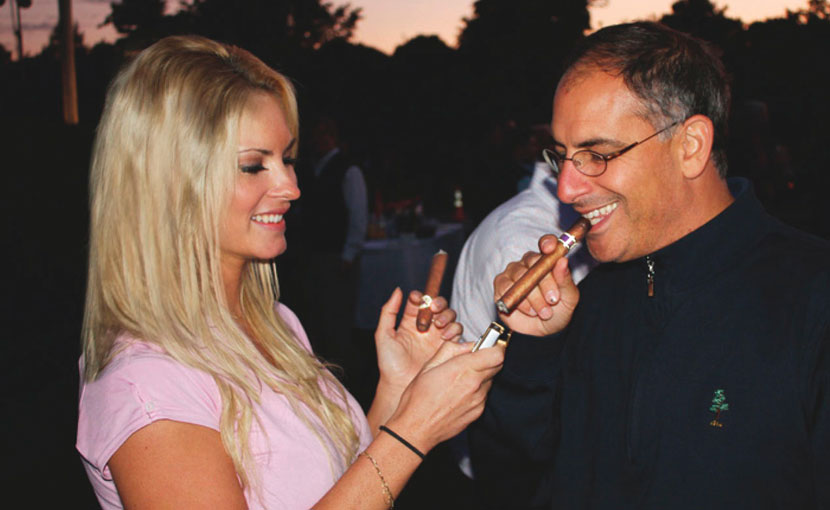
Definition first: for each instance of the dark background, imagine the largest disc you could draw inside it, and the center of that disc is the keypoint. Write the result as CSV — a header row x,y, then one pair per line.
x,y
423,122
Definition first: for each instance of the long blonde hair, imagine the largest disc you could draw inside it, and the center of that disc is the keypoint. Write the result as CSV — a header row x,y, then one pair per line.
x,y
163,168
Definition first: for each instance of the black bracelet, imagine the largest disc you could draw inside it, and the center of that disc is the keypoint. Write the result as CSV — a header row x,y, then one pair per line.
x,y
403,442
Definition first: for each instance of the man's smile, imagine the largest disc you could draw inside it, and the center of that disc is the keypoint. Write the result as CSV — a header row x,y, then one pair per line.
x,y
598,214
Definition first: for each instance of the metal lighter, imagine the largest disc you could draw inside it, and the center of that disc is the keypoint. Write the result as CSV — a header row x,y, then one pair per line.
x,y
495,334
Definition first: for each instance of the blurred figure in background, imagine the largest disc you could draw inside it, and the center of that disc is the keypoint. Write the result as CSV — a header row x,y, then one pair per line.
x,y
526,151
334,217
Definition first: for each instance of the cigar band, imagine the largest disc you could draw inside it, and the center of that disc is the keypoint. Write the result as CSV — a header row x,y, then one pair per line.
x,y
425,301
567,240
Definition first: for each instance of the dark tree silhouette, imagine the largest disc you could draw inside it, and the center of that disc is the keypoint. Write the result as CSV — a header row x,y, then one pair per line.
x,y
132,16
432,119
272,30
5,56
511,54
816,10
783,66
705,20
52,48
349,82
142,22
514,50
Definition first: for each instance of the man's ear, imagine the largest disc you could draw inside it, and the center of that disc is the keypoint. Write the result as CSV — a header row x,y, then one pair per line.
x,y
695,145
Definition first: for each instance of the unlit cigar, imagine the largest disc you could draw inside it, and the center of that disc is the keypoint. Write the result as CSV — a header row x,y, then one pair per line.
x,y
431,290
522,287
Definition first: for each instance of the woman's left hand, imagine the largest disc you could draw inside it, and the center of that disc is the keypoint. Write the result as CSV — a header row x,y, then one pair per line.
x,y
402,351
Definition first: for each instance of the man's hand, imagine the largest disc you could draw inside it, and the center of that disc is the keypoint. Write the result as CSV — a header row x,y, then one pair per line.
x,y
549,306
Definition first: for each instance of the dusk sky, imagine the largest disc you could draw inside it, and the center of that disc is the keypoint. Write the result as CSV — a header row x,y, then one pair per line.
x,y
385,24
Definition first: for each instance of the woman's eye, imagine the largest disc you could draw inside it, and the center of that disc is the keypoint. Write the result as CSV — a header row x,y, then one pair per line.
x,y
289,161
252,169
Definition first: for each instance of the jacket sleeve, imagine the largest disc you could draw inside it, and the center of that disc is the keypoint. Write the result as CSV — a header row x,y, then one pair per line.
x,y
512,445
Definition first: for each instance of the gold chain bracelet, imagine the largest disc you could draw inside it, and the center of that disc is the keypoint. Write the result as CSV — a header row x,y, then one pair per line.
x,y
390,501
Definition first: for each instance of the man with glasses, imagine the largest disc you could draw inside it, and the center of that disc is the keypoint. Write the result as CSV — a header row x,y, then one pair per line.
x,y
691,369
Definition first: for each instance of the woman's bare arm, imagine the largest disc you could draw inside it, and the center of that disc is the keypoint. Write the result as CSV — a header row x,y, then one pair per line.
x,y
174,465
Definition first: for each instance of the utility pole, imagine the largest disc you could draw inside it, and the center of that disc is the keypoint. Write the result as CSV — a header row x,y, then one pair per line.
x,y
68,81
14,10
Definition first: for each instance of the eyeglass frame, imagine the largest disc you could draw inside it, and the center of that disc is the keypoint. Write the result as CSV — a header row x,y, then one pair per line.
x,y
604,157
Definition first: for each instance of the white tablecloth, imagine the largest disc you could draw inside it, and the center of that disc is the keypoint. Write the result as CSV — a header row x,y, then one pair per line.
x,y
402,262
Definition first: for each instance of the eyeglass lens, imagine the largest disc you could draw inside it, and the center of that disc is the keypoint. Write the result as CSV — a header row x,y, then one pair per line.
x,y
585,161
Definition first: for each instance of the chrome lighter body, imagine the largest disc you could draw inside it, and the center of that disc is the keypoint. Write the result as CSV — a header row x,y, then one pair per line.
x,y
495,334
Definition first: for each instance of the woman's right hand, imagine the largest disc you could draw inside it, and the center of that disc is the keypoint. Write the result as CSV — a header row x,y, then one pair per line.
x,y
550,305
447,395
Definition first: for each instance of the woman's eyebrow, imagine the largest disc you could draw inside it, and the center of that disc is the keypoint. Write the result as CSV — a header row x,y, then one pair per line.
x,y
264,152
290,145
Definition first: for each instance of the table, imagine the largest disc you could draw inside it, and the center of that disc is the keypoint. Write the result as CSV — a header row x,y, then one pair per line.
x,y
402,262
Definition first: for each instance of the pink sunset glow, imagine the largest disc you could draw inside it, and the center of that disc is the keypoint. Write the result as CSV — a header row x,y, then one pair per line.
x,y
385,24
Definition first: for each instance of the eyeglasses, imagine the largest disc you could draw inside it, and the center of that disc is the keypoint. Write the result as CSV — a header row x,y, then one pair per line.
x,y
589,162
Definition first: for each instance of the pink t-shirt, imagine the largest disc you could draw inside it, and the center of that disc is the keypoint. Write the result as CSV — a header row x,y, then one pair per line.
x,y
142,384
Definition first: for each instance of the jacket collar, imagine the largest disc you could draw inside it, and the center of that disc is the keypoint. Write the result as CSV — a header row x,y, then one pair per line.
x,y
713,248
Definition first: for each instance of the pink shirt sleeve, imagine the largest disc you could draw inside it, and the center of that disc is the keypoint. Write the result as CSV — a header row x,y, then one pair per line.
x,y
141,386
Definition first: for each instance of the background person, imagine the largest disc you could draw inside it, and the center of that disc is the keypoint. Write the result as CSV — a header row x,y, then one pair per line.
x,y
333,219
507,233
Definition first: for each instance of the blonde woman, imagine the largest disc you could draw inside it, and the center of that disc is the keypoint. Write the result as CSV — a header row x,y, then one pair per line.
x,y
199,389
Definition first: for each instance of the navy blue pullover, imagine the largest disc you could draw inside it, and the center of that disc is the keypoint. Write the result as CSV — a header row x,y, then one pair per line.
x,y
714,393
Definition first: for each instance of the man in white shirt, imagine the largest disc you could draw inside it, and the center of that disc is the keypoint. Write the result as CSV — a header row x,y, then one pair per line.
x,y
507,233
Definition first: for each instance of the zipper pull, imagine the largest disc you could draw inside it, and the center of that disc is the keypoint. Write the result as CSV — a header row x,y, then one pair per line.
x,y
650,275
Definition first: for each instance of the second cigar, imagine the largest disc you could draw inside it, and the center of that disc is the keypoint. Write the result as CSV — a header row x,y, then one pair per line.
x,y
431,290
522,287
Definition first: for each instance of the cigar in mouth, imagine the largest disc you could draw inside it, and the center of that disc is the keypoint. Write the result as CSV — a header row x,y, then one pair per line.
x,y
431,290
522,287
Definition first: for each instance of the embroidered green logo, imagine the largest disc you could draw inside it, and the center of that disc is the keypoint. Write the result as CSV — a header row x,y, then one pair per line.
x,y
718,406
